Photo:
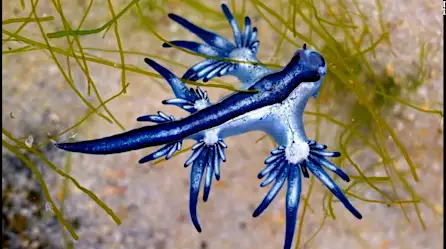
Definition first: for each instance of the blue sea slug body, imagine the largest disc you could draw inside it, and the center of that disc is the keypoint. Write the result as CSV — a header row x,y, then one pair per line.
x,y
276,108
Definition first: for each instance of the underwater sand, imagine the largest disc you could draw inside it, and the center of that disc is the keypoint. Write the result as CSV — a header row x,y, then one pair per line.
x,y
152,200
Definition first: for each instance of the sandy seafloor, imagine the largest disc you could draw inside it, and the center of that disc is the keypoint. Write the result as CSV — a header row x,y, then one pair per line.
x,y
153,200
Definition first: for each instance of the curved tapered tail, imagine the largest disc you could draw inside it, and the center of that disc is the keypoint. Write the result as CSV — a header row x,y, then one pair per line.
x,y
131,140
165,133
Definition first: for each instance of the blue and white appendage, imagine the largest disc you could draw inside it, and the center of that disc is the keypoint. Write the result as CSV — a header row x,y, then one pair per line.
x,y
237,59
206,155
279,170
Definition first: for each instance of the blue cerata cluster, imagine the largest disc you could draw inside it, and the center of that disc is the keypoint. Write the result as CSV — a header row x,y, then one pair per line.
x,y
275,106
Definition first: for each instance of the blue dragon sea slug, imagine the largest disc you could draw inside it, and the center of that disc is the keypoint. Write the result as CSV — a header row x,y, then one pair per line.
x,y
276,108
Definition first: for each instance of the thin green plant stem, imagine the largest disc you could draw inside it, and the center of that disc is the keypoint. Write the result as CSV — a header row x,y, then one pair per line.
x,y
22,26
280,43
417,108
337,122
58,6
128,68
45,190
119,42
257,3
94,31
343,147
381,202
176,154
26,48
155,56
80,32
385,161
382,124
321,225
203,8
93,196
58,63
26,20
84,68
84,17
65,191
82,120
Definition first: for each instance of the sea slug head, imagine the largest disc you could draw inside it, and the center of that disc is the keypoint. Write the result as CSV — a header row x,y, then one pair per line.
x,y
306,60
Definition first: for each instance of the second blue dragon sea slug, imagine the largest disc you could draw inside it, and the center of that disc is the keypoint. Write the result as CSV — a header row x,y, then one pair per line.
x,y
276,108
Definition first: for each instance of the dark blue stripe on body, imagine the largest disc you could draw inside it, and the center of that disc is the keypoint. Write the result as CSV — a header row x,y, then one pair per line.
x,y
273,88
